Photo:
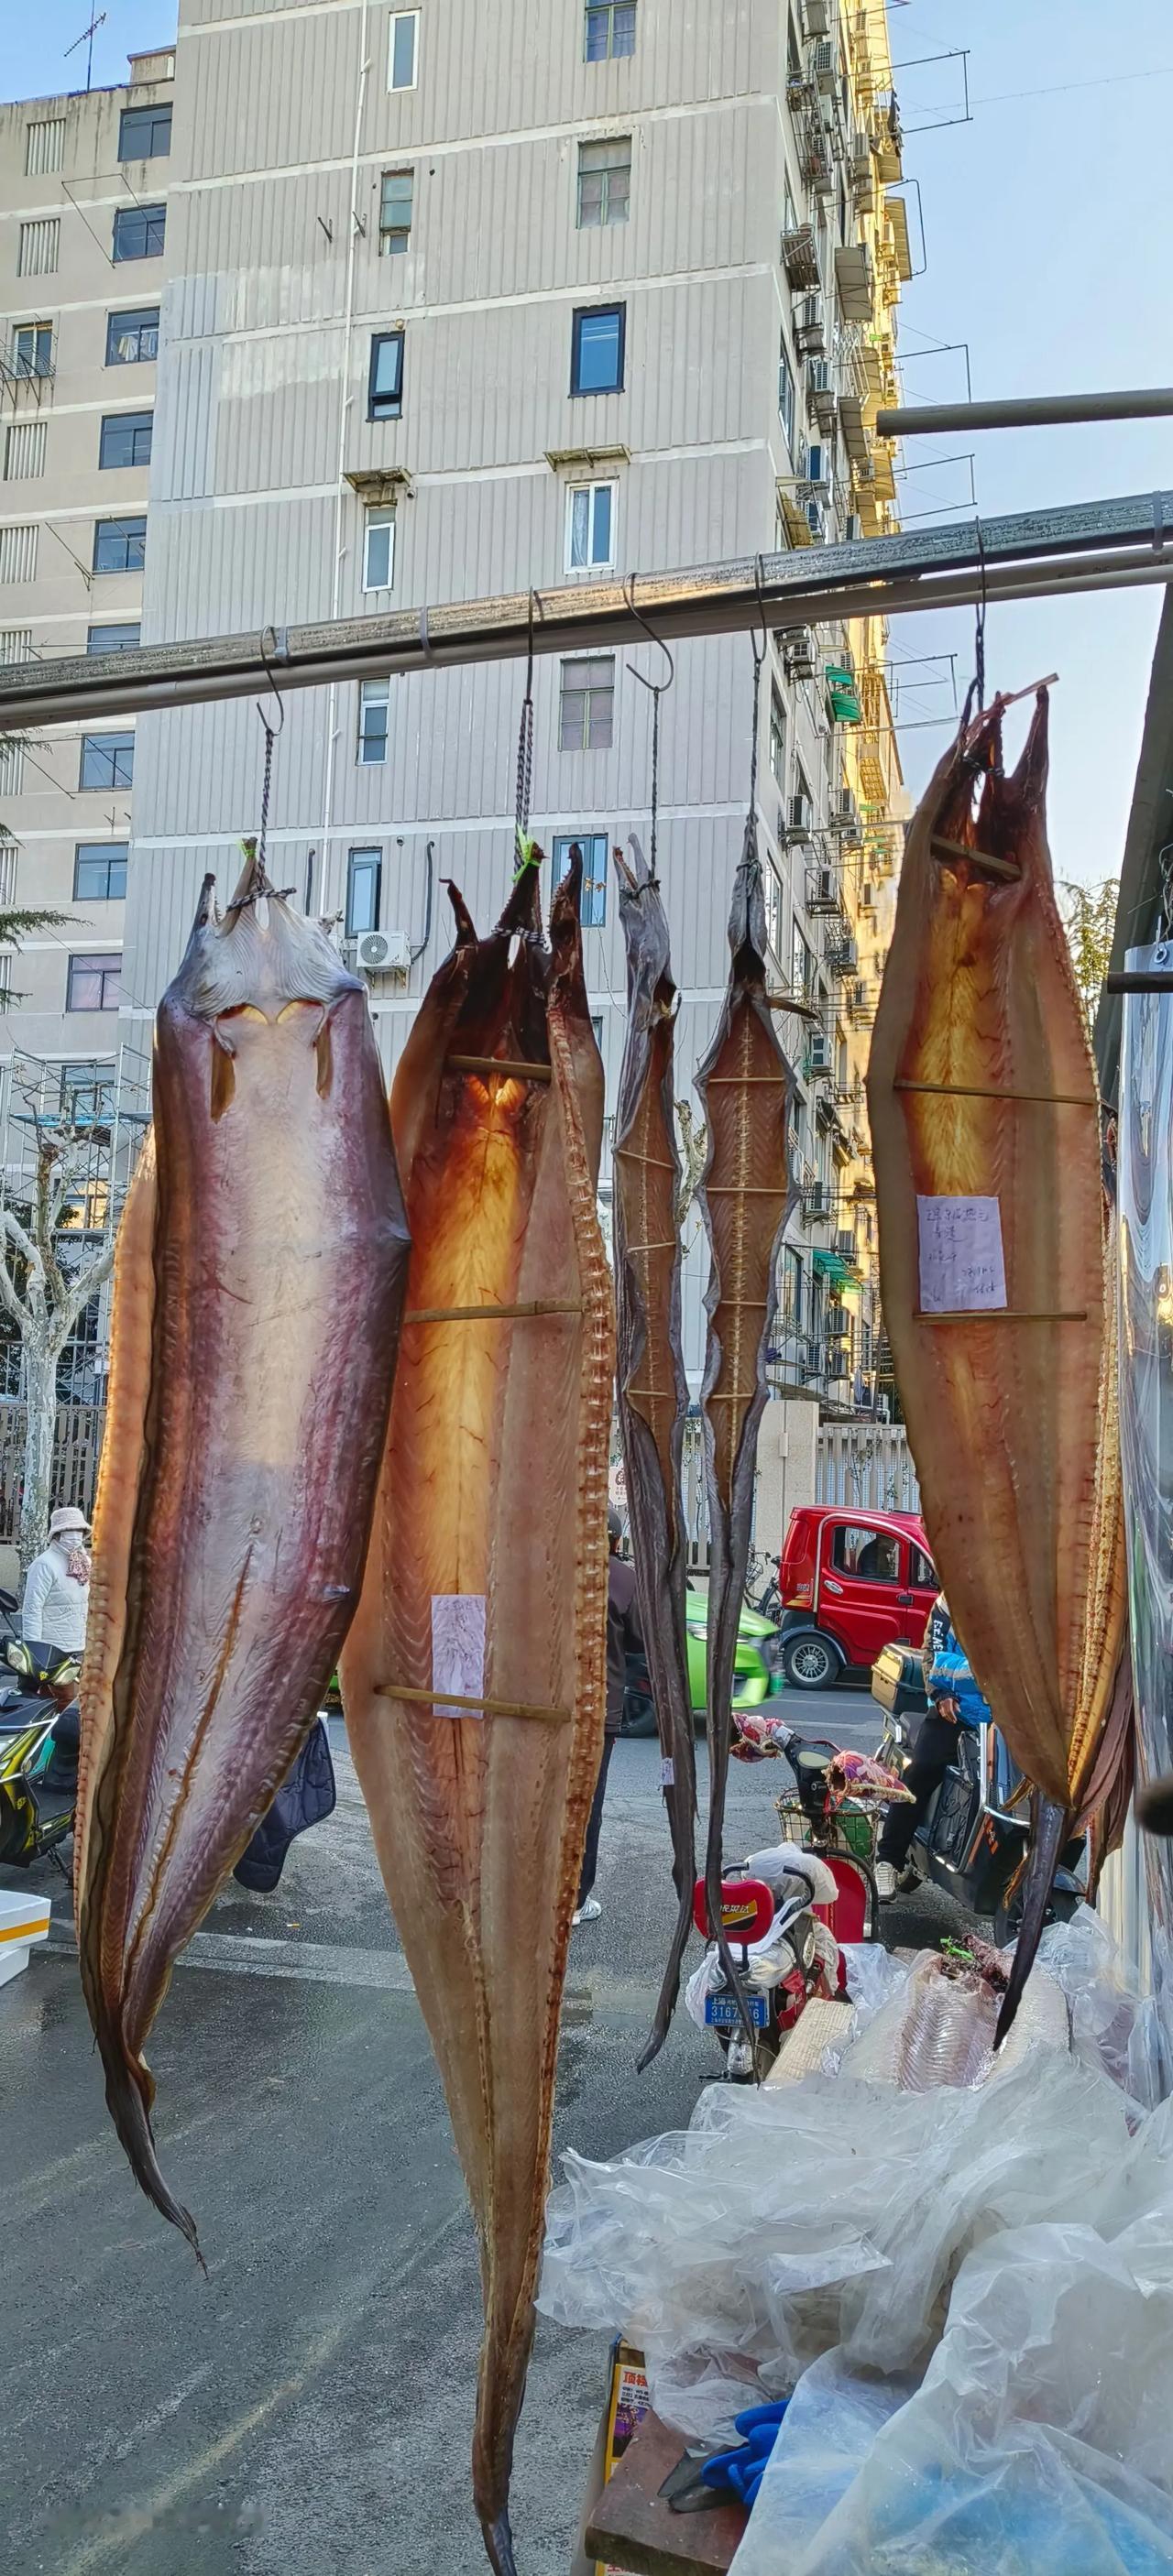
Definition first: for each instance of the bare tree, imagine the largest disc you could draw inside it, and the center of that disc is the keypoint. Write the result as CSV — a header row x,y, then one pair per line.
x,y
44,1296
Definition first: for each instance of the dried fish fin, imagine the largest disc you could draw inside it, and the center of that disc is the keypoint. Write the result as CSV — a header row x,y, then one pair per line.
x,y
652,1385
746,1194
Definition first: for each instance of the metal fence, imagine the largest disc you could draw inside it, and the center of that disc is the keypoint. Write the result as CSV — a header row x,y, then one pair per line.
x,y
867,1464
76,1450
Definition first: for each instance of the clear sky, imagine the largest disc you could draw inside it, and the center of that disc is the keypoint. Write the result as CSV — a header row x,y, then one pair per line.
x,y
1047,220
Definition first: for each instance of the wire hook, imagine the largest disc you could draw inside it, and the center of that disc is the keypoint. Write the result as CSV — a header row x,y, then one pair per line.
x,y
280,637
758,583
525,748
655,686
758,665
655,690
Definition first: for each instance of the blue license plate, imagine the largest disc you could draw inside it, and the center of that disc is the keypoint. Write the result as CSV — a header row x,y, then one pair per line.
x,y
721,2011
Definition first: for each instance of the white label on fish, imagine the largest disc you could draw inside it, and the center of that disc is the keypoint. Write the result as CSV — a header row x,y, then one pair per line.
x,y
962,1270
458,1648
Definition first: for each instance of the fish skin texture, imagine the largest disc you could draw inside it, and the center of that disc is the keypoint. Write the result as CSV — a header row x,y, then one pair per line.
x,y
1013,1425
494,1486
261,1267
746,1196
651,1379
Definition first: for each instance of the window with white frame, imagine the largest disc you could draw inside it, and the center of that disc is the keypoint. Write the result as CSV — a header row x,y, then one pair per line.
x,y
592,901
802,966
772,898
32,349
374,698
786,394
378,549
777,737
364,888
395,202
609,29
403,49
604,182
586,706
590,527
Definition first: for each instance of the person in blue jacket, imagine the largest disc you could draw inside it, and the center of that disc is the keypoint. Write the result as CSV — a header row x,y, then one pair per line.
x,y
954,1700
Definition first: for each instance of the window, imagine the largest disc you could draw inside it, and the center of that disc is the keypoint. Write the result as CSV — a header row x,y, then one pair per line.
x,y
924,1572
772,901
107,760
378,560
802,965
44,146
610,29
590,526
18,553
125,439
403,49
114,639
786,394
138,232
792,1290
132,336
88,1090
586,706
777,737
789,212
32,349
120,545
373,704
364,886
143,133
24,450
604,181
385,383
592,902
871,1553
597,349
597,1029
793,50
395,211
39,247
92,983
99,871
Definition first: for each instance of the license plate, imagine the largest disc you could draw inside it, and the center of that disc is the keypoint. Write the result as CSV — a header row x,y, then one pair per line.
x,y
722,2013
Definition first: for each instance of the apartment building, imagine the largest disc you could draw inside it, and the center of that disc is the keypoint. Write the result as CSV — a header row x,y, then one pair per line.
x,y
83,214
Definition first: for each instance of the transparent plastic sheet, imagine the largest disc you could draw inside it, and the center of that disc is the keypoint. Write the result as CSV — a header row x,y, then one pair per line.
x,y
1113,2024
1038,2444
802,2216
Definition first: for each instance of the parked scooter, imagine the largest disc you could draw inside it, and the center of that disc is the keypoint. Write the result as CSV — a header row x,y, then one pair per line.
x,y
976,1834
39,1736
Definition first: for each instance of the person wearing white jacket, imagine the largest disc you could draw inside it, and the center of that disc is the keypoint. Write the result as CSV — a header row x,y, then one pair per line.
x,y
57,1587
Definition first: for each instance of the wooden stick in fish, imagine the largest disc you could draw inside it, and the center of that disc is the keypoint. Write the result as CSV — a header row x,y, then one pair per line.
x,y
746,1195
986,1141
651,1380
261,1266
473,1677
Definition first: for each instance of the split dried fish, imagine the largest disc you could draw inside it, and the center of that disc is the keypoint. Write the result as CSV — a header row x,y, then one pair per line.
x,y
746,1195
261,1267
474,1674
986,1141
652,1385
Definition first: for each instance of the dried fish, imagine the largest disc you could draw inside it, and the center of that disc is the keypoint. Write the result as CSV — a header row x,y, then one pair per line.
x,y
652,1385
986,1140
473,1677
260,1274
746,1195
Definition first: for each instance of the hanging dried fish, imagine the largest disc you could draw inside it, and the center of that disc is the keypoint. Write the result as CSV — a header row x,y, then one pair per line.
x,y
261,1267
746,1195
473,1677
986,1142
652,1385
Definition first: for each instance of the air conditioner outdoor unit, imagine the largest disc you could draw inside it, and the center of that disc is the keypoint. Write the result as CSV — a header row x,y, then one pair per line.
x,y
382,952
816,520
847,811
800,652
814,17
824,66
845,1244
838,1362
812,1360
846,957
800,817
809,333
858,997
883,1409
838,1321
852,528
818,1199
867,896
818,467
818,1053
824,893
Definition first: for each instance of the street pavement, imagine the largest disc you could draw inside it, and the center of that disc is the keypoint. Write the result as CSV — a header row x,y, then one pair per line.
x,y
309,2405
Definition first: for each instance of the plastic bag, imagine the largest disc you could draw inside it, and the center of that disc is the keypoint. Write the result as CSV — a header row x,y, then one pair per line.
x,y
1113,2025
829,2211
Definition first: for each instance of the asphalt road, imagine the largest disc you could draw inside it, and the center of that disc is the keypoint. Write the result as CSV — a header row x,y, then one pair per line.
x,y
308,2406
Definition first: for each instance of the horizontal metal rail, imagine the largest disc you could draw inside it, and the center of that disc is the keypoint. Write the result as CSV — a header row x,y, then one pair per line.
x,y
1082,546
1028,411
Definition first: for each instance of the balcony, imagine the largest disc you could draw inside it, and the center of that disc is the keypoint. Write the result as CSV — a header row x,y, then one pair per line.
x,y
862,171
898,225
842,695
853,276
793,514
800,259
888,140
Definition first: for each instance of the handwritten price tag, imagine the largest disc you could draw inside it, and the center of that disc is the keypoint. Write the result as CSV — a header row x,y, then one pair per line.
x,y
961,1265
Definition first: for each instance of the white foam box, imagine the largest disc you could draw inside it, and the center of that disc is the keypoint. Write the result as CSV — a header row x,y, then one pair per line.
x,y
23,1920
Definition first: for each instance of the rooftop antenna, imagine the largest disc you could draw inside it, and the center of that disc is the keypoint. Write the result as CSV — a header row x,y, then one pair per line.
x,y
87,35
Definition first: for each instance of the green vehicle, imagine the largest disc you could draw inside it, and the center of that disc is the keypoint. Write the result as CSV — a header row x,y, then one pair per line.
x,y
757,1670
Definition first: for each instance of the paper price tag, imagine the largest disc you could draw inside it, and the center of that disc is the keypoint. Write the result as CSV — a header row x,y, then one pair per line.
x,y
458,1648
667,1774
962,1270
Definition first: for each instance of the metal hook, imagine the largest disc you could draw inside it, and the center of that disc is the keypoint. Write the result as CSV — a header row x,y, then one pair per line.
x,y
759,658
656,686
280,637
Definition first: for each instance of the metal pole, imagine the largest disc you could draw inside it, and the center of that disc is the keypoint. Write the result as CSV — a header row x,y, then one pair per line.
x,y
1033,411
1083,545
